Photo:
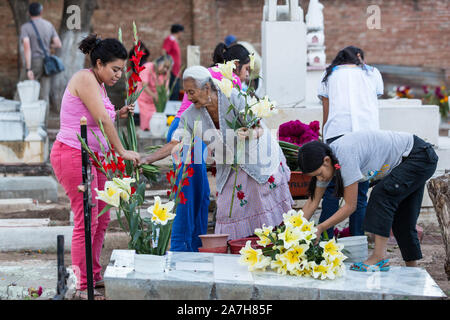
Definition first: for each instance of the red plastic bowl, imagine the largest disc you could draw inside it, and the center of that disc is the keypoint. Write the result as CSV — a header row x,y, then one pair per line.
x,y
214,250
238,244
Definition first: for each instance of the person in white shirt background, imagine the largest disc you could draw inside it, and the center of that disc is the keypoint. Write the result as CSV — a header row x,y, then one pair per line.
x,y
349,93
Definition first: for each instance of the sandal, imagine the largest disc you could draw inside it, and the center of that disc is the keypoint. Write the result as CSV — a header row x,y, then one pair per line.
x,y
83,295
382,265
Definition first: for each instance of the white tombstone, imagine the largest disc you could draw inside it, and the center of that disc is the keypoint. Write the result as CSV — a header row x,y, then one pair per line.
x,y
316,35
283,53
314,17
193,56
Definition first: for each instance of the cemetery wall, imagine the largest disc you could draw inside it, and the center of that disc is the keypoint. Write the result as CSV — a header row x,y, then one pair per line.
x,y
413,32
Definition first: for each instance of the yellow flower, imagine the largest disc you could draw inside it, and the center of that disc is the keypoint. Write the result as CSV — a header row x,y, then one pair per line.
x,y
292,257
161,212
110,195
262,234
322,271
308,231
225,85
337,265
252,61
226,69
253,258
442,101
278,265
294,218
291,236
331,249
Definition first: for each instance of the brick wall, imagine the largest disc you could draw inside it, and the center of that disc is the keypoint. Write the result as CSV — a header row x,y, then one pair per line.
x,y
413,32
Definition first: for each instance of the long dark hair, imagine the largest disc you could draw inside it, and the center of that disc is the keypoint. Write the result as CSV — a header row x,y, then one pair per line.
x,y
106,50
310,158
348,55
222,54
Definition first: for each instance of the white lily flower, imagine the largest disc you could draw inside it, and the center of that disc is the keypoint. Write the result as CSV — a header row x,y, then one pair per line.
x,y
252,61
161,213
264,108
226,69
262,233
225,85
253,258
291,236
110,195
294,218
292,257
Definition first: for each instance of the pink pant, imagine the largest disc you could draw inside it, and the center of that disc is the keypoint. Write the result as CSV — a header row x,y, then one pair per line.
x,y
146,111
66,162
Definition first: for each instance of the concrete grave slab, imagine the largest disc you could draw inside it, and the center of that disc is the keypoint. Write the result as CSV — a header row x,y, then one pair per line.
x,y
39,188
191,275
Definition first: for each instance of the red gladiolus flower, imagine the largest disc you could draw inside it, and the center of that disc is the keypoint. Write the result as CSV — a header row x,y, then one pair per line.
x,y
133,190
240,195
183,200
271,179
190,172
168,193
135,60
185,183
139,69
136,77
175,189
170,175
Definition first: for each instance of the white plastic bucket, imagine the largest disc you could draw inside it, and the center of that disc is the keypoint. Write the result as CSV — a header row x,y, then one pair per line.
x,y
356,248
28,90
158,124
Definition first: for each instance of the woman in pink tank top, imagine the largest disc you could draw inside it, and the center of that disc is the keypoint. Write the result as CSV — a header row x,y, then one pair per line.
x,y
85,95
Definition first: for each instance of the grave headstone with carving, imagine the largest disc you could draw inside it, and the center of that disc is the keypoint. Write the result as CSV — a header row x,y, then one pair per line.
x,y
284,62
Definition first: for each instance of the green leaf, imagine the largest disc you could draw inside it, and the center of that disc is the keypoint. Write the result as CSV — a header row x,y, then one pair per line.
x,y
106,208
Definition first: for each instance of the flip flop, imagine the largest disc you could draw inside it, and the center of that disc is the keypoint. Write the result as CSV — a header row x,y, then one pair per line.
x,y
83,295
382,265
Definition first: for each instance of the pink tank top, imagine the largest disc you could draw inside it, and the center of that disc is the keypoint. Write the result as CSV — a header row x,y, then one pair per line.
x,y
72,109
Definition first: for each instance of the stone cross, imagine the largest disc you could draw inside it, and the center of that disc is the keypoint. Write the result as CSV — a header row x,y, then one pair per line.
x,y
193,56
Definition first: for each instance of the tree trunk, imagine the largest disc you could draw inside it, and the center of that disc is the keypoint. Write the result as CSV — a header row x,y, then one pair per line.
x,y
439,191
72,58
19,10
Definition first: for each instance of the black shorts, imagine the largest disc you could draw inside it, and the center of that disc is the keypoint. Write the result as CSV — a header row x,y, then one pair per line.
x,y
395,202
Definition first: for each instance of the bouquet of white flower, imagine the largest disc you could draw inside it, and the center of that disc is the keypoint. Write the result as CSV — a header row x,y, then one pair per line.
x,y
290,249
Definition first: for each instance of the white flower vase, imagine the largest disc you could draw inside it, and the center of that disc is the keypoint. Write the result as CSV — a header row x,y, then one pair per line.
x,y
28,91
158,124
34,116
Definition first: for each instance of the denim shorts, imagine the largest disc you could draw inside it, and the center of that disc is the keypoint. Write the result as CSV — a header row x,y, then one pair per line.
x,y
395,202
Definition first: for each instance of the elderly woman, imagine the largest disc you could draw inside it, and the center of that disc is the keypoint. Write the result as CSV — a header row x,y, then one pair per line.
x,y
262,192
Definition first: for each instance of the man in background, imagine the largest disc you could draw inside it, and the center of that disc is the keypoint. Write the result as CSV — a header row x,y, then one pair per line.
x,y
33,54
171,47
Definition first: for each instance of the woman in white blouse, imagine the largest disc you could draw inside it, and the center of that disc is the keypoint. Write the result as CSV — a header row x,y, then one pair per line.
x,y
349,92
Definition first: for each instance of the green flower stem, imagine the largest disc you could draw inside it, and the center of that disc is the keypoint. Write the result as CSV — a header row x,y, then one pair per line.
x,y
234,188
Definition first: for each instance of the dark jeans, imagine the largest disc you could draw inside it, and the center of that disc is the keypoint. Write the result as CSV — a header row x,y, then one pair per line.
x,y
330,204
395,202
176,88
